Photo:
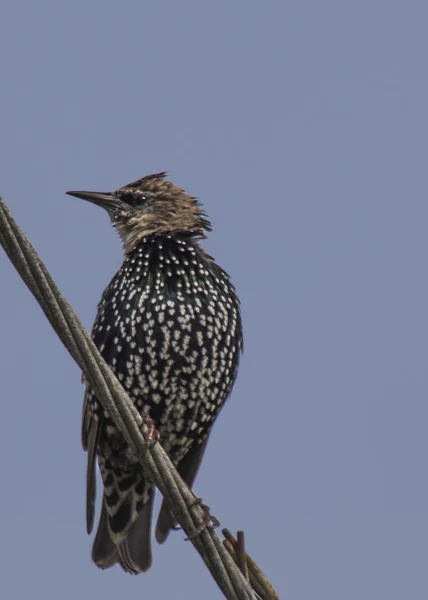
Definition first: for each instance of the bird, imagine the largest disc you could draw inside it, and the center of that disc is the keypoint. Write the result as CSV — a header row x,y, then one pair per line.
x,y
169,326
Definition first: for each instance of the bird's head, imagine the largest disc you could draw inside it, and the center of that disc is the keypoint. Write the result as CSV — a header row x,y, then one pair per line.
x,y
148,206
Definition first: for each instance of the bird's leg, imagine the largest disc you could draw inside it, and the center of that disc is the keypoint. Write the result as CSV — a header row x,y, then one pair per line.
x,y
151,438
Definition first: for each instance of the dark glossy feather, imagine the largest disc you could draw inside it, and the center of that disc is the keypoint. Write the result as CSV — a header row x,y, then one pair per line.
x,y
188,469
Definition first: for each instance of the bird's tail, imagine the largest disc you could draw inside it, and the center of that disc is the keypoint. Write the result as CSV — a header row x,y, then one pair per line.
x,y
124,541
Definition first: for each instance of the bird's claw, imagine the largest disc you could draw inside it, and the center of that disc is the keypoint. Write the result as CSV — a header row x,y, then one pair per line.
x,y
153,434
208,520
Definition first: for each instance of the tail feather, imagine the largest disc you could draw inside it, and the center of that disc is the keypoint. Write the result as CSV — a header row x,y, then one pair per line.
x,y
104,552
134,553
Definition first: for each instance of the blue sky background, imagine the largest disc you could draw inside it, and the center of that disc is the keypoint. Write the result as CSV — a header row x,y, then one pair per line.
x,y
303,128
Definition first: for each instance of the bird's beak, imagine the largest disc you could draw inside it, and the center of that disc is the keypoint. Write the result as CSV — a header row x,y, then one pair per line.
x,y
106,201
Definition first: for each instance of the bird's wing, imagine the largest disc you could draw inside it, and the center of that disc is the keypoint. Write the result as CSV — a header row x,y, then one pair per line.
x,y
91,429
188,469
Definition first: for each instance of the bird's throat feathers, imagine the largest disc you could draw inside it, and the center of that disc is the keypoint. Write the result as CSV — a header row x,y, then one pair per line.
x,y
155,223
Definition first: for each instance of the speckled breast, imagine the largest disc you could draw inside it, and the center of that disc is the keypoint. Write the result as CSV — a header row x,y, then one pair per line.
x,y
169,326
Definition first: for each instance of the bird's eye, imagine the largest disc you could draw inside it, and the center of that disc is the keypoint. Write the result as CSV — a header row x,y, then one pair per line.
x,y
134,198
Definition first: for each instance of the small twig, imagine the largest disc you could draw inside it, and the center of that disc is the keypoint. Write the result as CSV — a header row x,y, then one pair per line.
x,y
258,580
242,555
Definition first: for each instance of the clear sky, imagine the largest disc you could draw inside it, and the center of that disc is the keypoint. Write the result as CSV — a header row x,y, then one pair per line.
x,y
303,128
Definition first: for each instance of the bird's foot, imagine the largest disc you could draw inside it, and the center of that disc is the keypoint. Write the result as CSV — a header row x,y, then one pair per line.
x,y
153,435
208,520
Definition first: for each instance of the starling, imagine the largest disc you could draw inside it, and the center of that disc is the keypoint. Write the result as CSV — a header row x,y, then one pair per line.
x,y
169,327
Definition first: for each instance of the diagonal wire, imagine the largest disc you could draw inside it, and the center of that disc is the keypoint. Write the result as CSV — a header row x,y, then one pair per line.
x,y
258,579
114,399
